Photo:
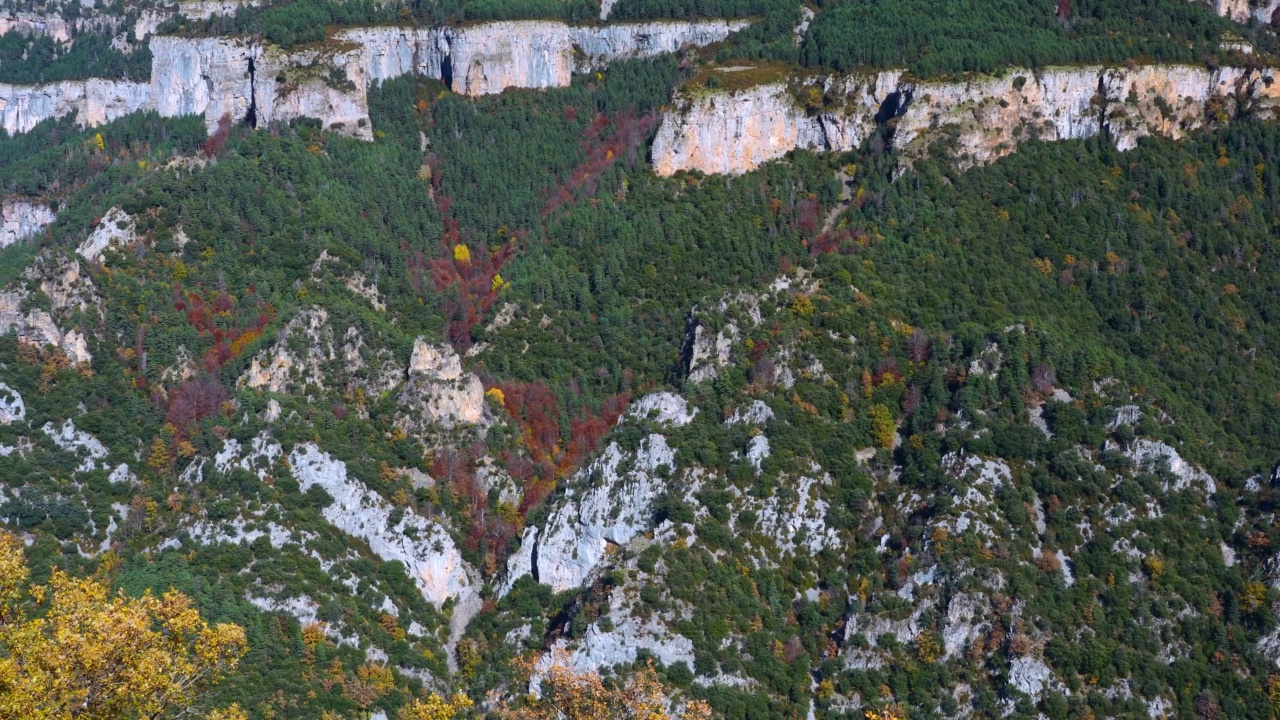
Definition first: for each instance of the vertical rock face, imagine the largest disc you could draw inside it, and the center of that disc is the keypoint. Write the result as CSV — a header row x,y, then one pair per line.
x,y
203,76
1242,11
730,134
94,102
51,25
117,229
218,76
613,510
490,57
988,116
524,54
22,219
36,327
599,45
387,52
203,9
327,83
438,391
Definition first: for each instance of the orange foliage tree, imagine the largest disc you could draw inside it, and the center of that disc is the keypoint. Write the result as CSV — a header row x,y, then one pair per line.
x,y
564,694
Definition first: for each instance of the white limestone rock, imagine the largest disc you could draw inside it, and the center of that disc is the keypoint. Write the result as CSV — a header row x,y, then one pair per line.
x,y
427,551
327,83
989,116
757,451
631,632
798,524
438,391
36,327
207,76
280,368
609,503
965,623
1029,675
22,219
596,45
80,443
12,408
1154,455
753,413
974,485
117,229
94,102
663,408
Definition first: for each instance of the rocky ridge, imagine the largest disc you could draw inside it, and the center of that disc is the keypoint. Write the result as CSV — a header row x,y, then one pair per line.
x,y
732,133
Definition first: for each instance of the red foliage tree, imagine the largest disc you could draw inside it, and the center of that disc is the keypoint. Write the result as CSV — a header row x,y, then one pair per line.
x,y
213,144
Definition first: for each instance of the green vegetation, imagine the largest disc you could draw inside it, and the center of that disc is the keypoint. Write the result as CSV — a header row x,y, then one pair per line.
x,y
1002,315
955,36
32,59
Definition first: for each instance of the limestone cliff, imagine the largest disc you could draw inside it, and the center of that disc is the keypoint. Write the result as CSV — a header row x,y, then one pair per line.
x,y
1242,11
22,219
94,102
987,115
203,76
249,82
490,57
325,82
596,46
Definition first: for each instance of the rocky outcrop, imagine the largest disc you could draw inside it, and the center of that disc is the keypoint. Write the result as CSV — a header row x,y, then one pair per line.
x,y
84,446
117,229
250,83
93,102
988,116
427,551
490,57
204,9
391,51
1242,11
438,391
51,25
610,504
12,408
596,46
22,219
36,327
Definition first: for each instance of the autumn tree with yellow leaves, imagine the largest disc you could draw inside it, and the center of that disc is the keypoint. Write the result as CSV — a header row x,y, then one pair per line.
x,y
565,694
71,649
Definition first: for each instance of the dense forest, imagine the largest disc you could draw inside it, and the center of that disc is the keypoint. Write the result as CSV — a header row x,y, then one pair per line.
x,y
958,36
33,59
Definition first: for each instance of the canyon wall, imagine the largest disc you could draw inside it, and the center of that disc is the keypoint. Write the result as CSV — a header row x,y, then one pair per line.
x,y
238,77
490,57
988,116
203,76
94,102
325,82
21,219
1242,11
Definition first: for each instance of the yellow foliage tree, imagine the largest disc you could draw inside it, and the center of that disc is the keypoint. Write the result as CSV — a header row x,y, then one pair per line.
x,y
564,694
435,708
462,253
883,427
70,649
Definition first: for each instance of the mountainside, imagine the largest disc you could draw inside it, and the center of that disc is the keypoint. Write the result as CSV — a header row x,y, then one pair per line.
x,y
828,372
